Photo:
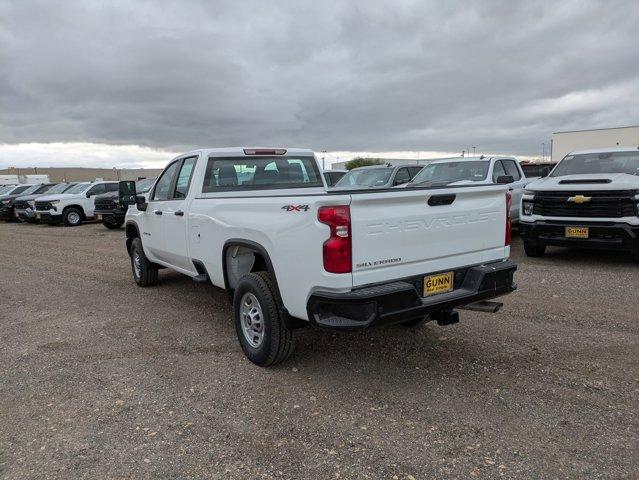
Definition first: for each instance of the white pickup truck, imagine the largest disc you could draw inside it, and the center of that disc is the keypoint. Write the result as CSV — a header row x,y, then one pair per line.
x,y
589,200
261,224
73,206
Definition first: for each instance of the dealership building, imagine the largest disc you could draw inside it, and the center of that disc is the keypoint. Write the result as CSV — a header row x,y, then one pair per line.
x,y
566,142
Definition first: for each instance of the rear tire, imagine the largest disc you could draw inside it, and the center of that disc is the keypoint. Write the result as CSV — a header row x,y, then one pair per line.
x,y
72,217
261,331
533,250
113,224
145,272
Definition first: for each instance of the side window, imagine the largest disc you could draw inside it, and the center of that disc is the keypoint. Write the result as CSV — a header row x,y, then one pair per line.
x,y
111,187
414,171
402,176
163,186
97,189
498,170
511,169
184,178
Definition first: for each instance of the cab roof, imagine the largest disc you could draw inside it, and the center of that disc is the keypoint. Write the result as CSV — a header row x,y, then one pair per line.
x,y
240,151
605,150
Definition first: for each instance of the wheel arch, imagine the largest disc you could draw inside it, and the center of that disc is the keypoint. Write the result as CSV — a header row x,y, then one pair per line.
x,y
131,231
262,261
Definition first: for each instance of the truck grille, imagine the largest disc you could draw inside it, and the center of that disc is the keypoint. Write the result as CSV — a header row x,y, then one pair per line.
x,y
105,204
20,205
611,204
43,205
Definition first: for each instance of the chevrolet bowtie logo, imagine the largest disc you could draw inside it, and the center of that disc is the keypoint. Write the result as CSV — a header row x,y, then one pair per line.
x,y
579,199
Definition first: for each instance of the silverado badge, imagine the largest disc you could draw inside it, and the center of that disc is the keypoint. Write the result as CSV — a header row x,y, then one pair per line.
x,y
579,199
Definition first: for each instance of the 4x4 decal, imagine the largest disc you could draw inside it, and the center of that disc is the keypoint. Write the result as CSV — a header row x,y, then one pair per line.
x,y
296,208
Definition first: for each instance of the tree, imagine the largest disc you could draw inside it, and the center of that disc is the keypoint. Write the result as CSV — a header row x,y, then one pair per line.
x,y
363,162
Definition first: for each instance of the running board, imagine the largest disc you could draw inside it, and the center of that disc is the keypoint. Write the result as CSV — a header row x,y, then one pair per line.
x,y
202,278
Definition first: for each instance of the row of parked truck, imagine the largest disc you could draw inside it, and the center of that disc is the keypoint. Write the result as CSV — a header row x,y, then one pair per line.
x,y
385,245
66,203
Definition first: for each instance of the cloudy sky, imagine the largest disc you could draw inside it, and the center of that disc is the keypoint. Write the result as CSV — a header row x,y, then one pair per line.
x,y
126,82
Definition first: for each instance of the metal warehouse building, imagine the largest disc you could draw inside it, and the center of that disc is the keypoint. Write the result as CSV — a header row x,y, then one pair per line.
x,y
566,142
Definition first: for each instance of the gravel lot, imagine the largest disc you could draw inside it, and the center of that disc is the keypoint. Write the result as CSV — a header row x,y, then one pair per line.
x,y
102,379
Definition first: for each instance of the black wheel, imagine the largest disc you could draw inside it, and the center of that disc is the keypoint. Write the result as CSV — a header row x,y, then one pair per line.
x,y
145,272
416,322
264,337
72,217
112,223
533,250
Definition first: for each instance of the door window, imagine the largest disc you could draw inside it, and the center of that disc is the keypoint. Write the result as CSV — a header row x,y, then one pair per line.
x,y
498,171
402,176
97,189
163,185
184,178
112,187
511,169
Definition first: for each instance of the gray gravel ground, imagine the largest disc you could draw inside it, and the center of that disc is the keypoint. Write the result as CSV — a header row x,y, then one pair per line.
x,y
102,379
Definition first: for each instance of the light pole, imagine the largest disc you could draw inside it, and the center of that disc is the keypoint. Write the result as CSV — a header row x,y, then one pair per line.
x,y
323,157
474,151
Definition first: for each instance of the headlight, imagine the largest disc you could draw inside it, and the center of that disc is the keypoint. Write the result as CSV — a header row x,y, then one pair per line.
x,y
529,192
6,202
31,203
528,206
54,202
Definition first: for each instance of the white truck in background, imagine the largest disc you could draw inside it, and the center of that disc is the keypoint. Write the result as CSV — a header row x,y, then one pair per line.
x,y
261,224
589,200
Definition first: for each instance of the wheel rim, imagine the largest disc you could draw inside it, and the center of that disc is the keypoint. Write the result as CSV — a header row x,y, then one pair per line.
x,y
252,320
73,217
137,265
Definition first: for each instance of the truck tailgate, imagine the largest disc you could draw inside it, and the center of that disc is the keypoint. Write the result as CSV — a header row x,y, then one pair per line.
x,y
398,234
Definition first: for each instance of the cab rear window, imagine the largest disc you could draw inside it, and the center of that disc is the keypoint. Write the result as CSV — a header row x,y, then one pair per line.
x,y
260,173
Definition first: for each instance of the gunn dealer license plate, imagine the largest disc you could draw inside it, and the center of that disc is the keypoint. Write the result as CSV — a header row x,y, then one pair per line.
x,y
440,283
577,232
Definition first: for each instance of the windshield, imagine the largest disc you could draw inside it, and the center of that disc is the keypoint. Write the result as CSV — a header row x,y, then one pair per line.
x,y
610,162
369,177
143,186
79,188
59,188
6,189
450,172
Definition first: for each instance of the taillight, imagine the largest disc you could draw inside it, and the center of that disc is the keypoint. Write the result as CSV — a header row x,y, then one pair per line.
x,y
337,249
509,227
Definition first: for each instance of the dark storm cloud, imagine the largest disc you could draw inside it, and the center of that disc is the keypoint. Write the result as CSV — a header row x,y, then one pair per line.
x,y
328,75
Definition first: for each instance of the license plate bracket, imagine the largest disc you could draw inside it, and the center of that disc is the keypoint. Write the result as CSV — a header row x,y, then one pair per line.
x,y
577,232
438,283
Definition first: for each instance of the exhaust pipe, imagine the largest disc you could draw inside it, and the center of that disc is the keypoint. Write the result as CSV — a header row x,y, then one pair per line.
x,y
486,307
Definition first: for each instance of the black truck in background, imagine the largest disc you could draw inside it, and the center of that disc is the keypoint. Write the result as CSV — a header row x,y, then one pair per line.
x,y
108,208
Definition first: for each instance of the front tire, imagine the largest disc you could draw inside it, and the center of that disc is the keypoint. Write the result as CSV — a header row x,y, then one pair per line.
x,y
533,250
72,217
261,331
145,272
113,224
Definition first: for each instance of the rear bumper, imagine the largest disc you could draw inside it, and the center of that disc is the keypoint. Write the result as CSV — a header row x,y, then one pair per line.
x,y
401,301
602,235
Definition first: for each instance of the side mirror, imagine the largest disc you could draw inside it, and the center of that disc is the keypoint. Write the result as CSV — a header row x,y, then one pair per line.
x,y
88,195
141,203
126,193
545,172
505,179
